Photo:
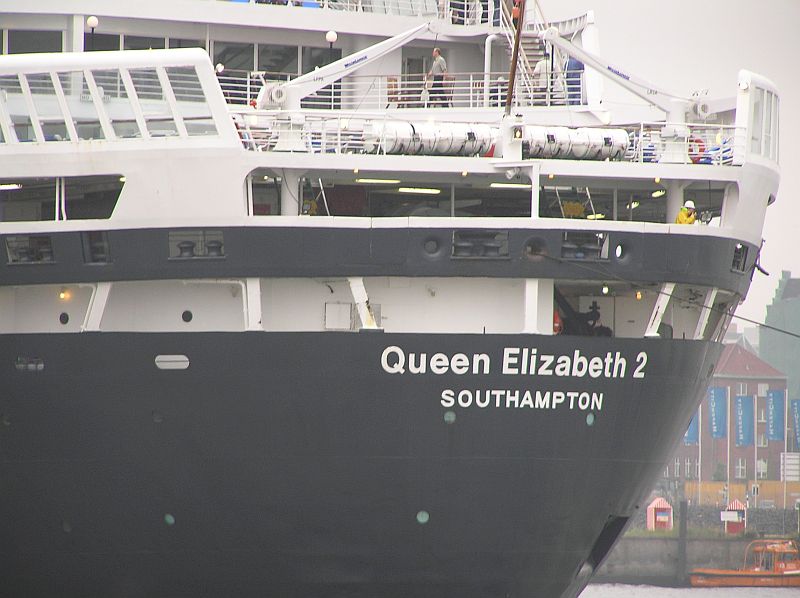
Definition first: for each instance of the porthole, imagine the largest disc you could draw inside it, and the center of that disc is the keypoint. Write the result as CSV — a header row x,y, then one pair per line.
x,y
64,318
431,246
187,316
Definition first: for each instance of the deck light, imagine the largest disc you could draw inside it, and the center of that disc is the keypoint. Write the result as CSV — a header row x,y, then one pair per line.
x,y
420,190
551,176
64,295
658,193
10,187
657,180
378,181
605,289
355,171
464,173
219,68
122,179
638,295
595,217
510,185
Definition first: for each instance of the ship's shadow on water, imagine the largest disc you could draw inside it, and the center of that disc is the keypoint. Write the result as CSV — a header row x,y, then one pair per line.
x,y
631,591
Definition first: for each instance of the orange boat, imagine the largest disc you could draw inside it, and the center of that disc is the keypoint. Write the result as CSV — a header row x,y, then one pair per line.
x,y
767,563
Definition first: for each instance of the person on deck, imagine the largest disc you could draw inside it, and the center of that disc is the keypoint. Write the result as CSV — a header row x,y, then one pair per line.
x,y
438,71
688,213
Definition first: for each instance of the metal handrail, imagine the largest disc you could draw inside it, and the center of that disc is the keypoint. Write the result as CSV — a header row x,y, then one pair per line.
x,y
403,91
457,12
345,133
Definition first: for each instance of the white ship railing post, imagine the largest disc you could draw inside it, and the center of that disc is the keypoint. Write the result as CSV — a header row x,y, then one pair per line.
x,y
97,307
659,309
252,304
539,306
62,104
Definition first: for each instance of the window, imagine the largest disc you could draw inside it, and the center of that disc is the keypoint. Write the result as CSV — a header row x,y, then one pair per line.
x,y
688,470
697,468
666,471
186,43
137,42
762,415
739,262
95,247
762,440
742,389
234,56
24,42
266,192
319,57
677,467
277,60
29,249
741,469
192,105
756,120
761,469
762,389
87,197
100,42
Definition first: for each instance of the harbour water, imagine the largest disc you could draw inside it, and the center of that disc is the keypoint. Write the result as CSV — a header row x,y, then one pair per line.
x,y
630,591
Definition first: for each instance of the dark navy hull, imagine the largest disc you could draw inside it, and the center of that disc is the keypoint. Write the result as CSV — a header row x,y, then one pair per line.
x,y
293,465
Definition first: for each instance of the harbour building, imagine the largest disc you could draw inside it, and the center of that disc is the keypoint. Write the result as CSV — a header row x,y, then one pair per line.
x,y
737,442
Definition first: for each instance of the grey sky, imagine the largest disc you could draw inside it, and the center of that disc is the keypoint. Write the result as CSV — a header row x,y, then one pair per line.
x,y
687,45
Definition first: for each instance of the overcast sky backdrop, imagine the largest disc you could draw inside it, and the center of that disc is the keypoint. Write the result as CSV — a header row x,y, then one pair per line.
x,y
688,45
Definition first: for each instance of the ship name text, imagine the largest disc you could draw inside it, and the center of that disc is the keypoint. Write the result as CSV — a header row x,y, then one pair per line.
x,y
515,361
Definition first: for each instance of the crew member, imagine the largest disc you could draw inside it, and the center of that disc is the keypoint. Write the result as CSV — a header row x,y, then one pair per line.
x,y
688,213
438,70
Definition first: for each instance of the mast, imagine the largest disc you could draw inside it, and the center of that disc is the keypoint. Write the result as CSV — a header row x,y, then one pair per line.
x,y
512,74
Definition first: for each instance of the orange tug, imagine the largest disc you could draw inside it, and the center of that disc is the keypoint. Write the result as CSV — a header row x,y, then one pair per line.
x,y
767,563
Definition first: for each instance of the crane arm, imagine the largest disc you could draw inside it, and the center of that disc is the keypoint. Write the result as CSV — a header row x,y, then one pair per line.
x,y
288,94
651,94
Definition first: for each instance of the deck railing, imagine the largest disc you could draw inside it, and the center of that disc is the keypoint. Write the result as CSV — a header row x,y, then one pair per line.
x,y
381,92
346,133
457,12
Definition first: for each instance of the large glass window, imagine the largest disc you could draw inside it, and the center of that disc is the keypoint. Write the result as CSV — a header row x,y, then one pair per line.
x,y
138,42
274,59
100,42
25,41
319,57
186,43
234,56
86,197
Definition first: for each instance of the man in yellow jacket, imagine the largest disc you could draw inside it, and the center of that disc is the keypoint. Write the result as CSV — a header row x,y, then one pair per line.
x,y
688,213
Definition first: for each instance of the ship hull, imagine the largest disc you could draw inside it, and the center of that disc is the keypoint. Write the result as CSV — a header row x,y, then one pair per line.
x,y
308,464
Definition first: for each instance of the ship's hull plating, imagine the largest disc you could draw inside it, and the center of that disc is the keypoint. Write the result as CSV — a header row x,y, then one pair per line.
x,y
297,465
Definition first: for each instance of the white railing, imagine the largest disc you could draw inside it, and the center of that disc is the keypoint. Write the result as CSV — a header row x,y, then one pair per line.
x,y
348,133
694,144
381,92
457,12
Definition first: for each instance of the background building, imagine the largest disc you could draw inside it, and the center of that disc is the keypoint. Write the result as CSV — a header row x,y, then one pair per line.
x,y
777,348
732,448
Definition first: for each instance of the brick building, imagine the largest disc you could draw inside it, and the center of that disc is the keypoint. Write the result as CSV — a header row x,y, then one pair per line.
x,y
733,446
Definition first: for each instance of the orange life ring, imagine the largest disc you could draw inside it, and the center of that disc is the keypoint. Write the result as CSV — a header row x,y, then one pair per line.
x,y
697,147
